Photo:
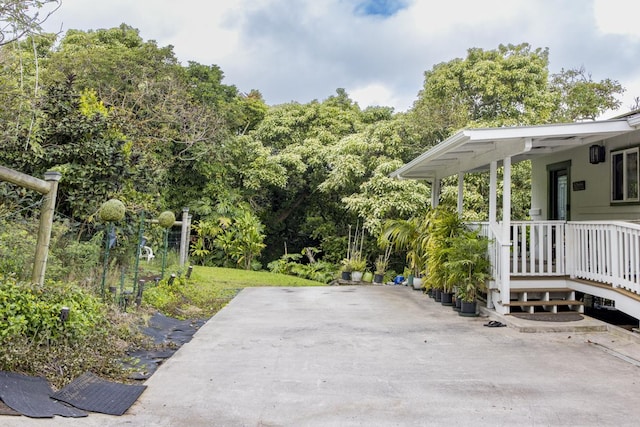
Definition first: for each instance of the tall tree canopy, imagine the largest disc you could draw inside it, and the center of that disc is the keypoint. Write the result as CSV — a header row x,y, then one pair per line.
x,y
121,117
507,86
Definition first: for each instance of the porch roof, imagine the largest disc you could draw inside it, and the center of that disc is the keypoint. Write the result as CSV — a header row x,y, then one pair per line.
x,y
473,150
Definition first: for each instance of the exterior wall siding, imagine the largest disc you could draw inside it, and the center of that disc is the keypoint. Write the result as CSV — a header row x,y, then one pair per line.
x,y
593,203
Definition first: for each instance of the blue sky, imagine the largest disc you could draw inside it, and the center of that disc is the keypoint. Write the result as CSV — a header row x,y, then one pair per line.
x,y
377,50
382,8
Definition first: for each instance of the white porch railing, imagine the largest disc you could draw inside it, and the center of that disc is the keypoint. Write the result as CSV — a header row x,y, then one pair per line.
x,y
538,248
600,251
605,251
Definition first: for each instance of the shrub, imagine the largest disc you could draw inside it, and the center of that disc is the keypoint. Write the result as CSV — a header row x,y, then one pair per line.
x,y
17,248
34,339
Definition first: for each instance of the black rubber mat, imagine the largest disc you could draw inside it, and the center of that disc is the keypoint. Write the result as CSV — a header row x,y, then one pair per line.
x,y
31,396
165,329
143,363
94,394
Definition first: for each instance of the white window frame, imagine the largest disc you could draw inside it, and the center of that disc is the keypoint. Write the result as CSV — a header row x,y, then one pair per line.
x,y
624,191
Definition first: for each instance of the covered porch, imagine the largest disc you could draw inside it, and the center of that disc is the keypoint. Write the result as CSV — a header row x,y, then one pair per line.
x,y
543,259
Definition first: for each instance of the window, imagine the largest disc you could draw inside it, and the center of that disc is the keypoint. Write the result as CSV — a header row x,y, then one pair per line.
x,y
624,175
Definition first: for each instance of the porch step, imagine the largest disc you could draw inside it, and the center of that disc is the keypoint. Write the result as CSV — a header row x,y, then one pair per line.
x,y
520,290
551,304
548,298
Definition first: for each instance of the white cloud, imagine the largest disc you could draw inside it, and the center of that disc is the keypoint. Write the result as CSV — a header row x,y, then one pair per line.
x,y
617,17
294,50
377,94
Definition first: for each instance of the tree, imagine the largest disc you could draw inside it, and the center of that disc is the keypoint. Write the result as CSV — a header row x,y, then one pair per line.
x,y
507,86
76,136
578,97
19,18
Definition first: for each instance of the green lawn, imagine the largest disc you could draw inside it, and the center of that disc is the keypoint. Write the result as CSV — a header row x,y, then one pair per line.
x,y
211,288
217,277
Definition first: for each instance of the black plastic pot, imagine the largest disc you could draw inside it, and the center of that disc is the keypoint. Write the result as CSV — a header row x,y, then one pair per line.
x,y
346,275
446,298
378,278
457,304
468,309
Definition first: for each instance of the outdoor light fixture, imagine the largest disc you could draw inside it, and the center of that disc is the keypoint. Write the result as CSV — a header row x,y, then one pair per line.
x,y
596,154
64,314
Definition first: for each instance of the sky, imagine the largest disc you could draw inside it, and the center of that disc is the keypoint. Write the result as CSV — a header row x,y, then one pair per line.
x,y
377,50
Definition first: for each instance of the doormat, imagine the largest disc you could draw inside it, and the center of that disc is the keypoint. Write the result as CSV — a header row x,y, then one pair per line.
x,y
31,396
550,317
94,394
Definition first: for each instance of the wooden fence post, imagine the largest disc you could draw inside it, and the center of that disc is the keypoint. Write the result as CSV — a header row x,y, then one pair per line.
x,y
184,236
48,188
46,224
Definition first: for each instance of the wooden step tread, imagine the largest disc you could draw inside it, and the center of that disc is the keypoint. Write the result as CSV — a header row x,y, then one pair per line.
x,y
538,303
521,290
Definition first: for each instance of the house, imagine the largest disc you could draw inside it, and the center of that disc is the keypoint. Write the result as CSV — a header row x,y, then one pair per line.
x,y
583,238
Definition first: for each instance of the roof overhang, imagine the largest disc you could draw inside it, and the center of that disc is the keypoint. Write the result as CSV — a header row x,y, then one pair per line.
x,y
473,150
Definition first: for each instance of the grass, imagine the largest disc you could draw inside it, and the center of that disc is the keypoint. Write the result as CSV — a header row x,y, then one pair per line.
x,y
235,278
209,289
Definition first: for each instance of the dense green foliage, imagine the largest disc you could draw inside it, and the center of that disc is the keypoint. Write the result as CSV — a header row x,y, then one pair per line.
x,y
121,118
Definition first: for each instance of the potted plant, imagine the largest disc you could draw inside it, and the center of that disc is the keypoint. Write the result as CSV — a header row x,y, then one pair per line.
x,y
347,268
381,267
410,235
359,265
469,268
353,263
445,226
381,264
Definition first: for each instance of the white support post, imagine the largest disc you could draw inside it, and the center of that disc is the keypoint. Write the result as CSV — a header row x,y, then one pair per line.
x,y
493,185
460,193
46,224
506,230
493,192
435,193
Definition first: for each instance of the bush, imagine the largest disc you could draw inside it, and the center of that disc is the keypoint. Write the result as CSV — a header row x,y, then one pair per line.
x,y
290,264
33,312
17,249
34,339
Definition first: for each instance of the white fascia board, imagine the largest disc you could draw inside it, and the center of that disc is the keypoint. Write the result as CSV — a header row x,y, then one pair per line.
x,y
448,144
554,130
634,120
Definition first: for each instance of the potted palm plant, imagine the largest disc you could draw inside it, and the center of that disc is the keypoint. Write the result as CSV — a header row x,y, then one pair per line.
x,y
410,235
445,225
469,268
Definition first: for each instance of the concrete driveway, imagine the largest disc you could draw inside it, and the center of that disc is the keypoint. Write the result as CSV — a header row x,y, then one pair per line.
x,y
379,356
